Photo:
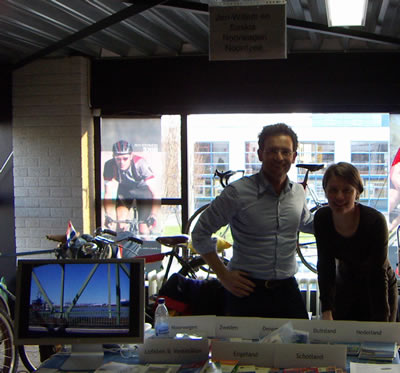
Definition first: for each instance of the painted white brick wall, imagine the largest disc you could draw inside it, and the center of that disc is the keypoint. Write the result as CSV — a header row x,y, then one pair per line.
x,y
50,115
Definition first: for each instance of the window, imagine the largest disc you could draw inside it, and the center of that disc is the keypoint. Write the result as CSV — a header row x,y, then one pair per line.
x,y
315,152
208,156
230,142
372,159
252,163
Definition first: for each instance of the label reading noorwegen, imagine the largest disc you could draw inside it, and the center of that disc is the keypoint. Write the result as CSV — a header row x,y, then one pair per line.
x,y
203,326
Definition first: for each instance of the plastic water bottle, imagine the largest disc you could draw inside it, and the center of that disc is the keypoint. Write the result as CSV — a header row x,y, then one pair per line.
x,y
161,316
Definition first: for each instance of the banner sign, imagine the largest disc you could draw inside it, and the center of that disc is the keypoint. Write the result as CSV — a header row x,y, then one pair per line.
x,y
248,32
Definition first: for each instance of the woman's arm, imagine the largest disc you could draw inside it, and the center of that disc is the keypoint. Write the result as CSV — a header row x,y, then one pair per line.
x,y
374,268
326,262
327,315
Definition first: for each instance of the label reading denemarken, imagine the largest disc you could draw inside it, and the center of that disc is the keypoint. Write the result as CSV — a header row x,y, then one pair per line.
x,y
246,327
247,32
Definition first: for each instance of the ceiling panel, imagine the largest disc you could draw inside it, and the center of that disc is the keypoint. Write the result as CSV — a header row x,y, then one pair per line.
x,y
31,29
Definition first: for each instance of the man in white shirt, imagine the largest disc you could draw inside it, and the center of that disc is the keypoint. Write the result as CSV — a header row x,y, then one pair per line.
x,y
265,212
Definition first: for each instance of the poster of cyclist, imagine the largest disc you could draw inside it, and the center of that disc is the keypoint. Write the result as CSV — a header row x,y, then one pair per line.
x,y
394,174
131,171
394,191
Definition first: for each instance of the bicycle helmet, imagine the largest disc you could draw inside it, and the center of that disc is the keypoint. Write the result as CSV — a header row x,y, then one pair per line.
x,y
122,147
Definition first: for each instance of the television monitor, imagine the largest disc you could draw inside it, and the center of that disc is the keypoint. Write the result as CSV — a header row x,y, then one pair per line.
x,y
85,303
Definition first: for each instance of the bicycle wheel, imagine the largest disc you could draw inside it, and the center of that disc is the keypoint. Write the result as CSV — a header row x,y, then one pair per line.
x,y
223,235
33,355
307,247
8,351
193,219
30,357
223,232
224,242
196,264
307,252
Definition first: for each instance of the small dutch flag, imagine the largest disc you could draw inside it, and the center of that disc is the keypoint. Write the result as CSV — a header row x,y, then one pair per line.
x,y
119,252
70,234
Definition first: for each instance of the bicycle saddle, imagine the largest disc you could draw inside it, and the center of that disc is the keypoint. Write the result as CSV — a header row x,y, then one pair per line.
x,y
311,166
172,241
57,237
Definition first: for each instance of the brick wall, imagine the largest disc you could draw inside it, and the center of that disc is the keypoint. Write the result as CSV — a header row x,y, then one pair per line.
x,y
53,150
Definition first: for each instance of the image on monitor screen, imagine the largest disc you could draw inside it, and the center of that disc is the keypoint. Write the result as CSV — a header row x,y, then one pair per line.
x,y
80,301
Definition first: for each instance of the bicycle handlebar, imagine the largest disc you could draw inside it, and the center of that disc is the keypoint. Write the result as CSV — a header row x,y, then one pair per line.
x,y
109,231
225,175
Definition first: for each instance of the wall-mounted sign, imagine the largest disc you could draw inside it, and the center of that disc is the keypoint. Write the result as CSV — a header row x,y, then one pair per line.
x,y
248,32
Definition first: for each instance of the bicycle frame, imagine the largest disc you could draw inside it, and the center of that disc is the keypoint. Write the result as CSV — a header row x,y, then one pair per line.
x,y
317,203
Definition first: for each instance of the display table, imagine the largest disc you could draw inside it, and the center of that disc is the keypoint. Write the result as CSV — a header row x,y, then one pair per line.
x,y
237,339
54,363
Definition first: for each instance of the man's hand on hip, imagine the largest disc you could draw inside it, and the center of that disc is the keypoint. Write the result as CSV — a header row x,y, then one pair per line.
x,y
237,283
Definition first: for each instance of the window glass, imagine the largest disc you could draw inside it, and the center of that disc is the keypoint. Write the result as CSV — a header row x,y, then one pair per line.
x,y
230,142
208,156
321,152
252,163
372,160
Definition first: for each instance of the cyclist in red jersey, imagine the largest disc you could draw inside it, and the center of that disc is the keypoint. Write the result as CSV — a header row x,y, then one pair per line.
x,y
128,179
394,194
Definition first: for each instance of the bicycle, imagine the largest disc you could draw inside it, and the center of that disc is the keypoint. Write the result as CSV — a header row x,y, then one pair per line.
x,y
8,350
309,246
132,224
303,248
189,261
224,240
224,177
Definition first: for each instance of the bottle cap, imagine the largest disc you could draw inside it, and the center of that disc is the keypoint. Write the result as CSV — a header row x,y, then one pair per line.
x,y
161,300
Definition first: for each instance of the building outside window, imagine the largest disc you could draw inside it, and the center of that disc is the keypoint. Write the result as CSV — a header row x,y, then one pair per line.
x,y
208,156
372,159
322,152
252,164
